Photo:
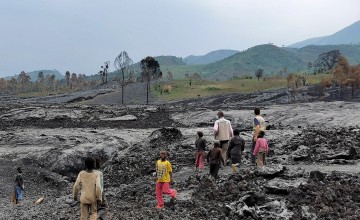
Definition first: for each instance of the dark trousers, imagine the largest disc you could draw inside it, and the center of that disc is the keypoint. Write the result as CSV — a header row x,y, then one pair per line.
x,y
214,170
252,156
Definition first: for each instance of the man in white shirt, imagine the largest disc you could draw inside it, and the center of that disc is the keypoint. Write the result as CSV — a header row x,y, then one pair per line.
x,y
223,133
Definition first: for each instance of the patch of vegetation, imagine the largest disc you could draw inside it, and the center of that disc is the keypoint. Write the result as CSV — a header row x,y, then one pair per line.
x,y
181,89
212,88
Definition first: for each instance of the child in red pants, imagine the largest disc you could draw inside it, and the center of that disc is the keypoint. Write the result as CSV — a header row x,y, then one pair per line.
x,y
200,145
163,179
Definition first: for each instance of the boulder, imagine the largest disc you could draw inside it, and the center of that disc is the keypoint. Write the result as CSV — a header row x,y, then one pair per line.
x,y
281,186
271,171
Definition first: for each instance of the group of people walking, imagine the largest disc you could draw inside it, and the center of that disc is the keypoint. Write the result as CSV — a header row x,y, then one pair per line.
x,y
229,145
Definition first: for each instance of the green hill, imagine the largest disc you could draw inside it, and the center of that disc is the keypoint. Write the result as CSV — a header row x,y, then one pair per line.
x,y
210,57
310,53
272,59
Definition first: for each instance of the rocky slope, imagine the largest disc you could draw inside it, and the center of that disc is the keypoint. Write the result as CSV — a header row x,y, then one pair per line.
x,y
312,171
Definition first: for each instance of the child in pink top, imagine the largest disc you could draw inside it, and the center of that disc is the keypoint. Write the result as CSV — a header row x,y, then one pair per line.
x,y
261,148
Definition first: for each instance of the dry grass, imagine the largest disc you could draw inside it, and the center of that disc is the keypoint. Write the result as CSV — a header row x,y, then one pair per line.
x,y
181,89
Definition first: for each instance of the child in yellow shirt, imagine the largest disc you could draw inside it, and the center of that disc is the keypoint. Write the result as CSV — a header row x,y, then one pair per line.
x,y
163,179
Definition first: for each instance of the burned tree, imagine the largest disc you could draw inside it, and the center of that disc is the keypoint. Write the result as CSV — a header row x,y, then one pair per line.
x,y
150,70
122,64
104,71
67,78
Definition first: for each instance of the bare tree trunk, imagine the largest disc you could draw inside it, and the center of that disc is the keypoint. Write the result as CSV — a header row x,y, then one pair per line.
x,y
122,93
147,92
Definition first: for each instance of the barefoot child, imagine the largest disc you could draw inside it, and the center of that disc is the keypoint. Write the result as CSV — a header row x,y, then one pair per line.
x,y
236,147
163,179
261,148
214,158
89,182
19,187
200,145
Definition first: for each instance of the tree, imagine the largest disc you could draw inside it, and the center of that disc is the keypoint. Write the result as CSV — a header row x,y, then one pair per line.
x,y
259,73
24,81
196,76
67,78
13,85
39,84
122,64
342,72
41,77
294,82
82,83
170,76
150,69
104,71
326,61
309,66
4,85
73,80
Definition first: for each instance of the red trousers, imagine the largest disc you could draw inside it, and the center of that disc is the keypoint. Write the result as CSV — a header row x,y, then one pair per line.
x,y
163,188
199,159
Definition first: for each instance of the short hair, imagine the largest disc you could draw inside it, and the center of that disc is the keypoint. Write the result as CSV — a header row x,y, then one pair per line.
x,y
200,134
90,163
19,169
257,111
261,134
165,152
220,114
236,132
216,143
98,162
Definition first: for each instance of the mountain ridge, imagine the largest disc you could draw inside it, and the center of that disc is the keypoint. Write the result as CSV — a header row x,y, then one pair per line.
x,y
347,35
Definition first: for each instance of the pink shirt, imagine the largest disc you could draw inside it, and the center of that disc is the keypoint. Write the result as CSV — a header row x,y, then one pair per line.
x,y
261,143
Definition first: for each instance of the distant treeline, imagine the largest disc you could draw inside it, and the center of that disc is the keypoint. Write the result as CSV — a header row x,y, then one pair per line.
x,y
47,83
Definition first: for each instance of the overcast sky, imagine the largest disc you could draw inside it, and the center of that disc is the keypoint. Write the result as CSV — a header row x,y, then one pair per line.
x,y
79,35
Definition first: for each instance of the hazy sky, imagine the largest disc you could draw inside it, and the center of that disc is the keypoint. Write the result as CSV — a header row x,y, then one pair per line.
x,y
79,35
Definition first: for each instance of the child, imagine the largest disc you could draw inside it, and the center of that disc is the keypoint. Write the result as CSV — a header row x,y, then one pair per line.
x,y
89,181
101,206
261,147
163,179
214,158
236,147
200,145
19,187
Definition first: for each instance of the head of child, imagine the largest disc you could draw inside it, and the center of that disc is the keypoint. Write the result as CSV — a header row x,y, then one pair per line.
x,y
164,155
97,163
200,134
220,114
90,163
216,143
257,111
236,132
261,134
